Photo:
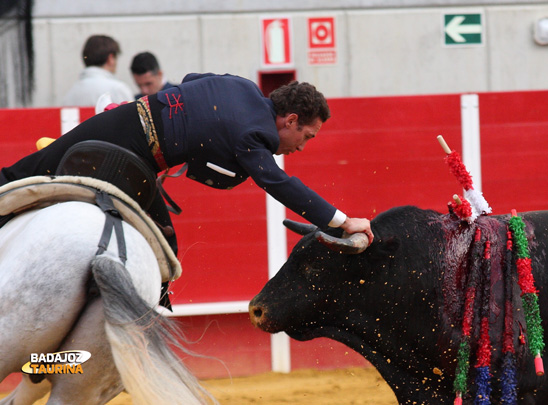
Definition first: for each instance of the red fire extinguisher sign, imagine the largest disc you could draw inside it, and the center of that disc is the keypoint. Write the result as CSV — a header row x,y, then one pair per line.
x,y
276,42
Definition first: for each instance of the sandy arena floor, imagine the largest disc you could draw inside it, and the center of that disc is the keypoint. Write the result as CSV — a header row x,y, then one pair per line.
x,y
353,386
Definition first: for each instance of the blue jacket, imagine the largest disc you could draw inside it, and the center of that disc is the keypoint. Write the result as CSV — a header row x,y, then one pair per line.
x,y
225,129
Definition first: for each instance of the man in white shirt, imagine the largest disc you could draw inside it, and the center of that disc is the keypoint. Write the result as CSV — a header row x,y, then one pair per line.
x,y
100,55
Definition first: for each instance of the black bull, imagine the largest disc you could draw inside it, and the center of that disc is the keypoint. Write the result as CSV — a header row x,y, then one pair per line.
x,y
400,302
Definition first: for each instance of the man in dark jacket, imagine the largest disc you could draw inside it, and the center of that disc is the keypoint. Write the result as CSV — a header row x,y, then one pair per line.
x,y
147,75
224,128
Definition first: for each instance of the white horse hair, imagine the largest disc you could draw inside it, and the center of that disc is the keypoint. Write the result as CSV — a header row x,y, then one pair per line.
x,y
47,260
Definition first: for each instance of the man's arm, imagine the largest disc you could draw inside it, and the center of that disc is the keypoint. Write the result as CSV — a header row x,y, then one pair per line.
x,y
259,163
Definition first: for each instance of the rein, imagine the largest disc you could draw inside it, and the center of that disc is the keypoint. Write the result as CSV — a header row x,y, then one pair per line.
x,y
170,204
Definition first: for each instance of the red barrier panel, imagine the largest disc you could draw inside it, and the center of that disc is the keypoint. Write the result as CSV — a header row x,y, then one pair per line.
x,y
373,154
222,242
376,153
514,143
22,127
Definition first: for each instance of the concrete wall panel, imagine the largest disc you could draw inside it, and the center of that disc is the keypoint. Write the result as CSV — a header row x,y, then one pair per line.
x,y
516,61
231,44
173,40
403,53
390,51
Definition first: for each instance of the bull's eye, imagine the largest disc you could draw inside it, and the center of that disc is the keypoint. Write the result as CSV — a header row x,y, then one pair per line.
x,y
309,271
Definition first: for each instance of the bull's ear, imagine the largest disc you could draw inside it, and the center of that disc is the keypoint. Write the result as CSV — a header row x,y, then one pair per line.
x,y
385,247
299,227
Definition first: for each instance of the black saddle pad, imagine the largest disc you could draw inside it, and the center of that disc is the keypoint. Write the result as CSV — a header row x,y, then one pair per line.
x,y
114,164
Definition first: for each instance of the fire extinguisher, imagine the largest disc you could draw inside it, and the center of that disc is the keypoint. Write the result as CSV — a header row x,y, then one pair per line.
x,y
275,42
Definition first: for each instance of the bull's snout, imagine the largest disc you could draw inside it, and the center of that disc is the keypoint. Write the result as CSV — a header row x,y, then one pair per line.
x,y
258,314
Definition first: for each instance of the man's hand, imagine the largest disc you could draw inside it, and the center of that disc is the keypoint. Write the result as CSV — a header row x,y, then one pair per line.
x,y
354,225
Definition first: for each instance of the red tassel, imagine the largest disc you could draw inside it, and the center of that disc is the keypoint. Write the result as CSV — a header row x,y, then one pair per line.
x,y
487,252
468,311
463,210
526,280
508,339
459,170
484,349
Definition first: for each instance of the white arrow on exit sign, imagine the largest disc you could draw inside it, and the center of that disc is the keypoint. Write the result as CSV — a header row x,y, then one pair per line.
x,y
455,29
463,29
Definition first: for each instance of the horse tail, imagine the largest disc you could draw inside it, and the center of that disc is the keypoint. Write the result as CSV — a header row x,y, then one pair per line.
x,y
141,342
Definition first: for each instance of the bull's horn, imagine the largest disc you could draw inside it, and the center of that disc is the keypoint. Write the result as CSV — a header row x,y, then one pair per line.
x,y
348,244
299,227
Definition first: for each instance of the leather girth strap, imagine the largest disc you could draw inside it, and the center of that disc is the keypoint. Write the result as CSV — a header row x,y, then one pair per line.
x,y
113,221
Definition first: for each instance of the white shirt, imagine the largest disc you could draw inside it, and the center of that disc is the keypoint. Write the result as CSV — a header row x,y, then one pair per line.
x,y
338,219
93,83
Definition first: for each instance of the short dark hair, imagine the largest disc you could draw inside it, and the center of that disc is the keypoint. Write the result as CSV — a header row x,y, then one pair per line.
x,y
97,49
144,62
302,99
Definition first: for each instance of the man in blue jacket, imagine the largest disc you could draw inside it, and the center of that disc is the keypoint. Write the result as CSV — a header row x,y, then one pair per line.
x,y
224,128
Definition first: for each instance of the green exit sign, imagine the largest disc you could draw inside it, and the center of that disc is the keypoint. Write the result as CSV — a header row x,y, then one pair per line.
x,y
463,29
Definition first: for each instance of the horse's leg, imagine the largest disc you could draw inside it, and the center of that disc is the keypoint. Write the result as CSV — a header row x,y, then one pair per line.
x,y
27,392
100,381
42,286
34,318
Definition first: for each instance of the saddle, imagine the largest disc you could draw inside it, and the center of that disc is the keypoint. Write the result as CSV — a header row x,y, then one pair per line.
x,y
90,167
42,191
113,164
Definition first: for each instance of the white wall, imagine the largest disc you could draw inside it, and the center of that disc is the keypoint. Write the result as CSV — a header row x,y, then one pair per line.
x,y
71,8
381,51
